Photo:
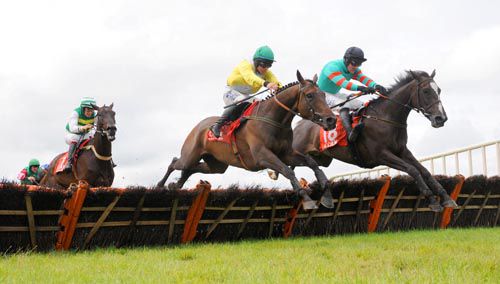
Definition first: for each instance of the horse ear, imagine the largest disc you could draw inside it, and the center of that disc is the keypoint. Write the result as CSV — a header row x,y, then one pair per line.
x,y
433,73
111,105
315,78
299,77
95,107
413,74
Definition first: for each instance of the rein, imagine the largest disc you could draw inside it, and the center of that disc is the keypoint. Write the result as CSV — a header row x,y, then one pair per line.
x,y
290,110
407,105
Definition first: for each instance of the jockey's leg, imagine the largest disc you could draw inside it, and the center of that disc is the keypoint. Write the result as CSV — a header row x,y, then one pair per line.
x,y
223,119
71,153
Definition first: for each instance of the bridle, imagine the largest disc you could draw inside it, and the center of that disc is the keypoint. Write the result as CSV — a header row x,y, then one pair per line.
x,y
315,116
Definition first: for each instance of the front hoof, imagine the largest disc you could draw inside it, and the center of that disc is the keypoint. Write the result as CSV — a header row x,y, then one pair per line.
x,y
436,207
450,203
327,202
309,205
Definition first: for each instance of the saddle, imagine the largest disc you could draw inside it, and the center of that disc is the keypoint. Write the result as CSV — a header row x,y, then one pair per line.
x,y
63,160
228,129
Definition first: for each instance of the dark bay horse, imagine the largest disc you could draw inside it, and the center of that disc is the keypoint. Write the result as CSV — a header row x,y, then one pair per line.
x,y
384,137
93,165
263,142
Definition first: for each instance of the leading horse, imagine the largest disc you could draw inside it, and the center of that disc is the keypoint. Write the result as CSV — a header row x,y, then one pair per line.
x,y
94,163
384,138
263,142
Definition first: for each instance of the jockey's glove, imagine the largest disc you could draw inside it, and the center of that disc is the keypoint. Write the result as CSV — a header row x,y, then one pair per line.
x,y
366,90
381,89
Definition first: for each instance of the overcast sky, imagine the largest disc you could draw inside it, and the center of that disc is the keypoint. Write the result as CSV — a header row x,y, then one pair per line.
x,y
164,64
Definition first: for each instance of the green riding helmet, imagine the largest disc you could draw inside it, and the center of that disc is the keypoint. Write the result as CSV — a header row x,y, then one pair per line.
x,y
264,53
34,162
87,102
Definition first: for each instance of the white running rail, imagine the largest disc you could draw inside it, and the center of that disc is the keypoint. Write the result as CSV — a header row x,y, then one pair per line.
x,y
478,160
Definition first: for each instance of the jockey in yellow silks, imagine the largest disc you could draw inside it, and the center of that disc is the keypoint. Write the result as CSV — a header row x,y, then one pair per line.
x,y
246,79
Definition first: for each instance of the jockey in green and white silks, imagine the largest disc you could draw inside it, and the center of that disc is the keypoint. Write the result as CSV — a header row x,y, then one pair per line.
x,y
80,126
31,174
336,75
246,79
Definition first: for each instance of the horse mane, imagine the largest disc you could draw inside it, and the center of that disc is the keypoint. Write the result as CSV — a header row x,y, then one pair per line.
x,y
404,79
287,86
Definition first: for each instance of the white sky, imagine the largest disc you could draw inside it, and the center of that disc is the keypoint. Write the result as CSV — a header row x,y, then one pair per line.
x,y
164,65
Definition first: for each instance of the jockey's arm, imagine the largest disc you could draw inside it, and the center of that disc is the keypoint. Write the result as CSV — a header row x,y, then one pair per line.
x,y
22,175
249,76
73,124
365,80
271,78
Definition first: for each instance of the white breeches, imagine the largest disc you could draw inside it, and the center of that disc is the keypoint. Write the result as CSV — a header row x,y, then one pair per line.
x,y
231,96
333,99
74,138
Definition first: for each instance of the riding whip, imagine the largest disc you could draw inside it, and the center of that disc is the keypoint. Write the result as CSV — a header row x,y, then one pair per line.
x,y
246,99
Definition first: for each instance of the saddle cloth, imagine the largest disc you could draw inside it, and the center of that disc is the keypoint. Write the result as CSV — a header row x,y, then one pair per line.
x,y
228,129
63,160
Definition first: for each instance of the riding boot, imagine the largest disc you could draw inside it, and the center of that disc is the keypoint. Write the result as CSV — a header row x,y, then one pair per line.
x,y
71,153
223,119
352,133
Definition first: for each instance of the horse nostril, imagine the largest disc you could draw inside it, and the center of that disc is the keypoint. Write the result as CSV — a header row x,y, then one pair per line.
x,y
331,120
439,119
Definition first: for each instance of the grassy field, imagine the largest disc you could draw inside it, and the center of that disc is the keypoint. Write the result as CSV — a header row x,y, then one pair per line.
x,y
461,256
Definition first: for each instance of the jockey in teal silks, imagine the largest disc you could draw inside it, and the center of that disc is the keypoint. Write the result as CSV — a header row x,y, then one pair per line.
x,y
80,126
32,174
336,75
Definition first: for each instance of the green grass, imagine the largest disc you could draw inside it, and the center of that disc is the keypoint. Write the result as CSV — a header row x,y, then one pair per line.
x,y
470,256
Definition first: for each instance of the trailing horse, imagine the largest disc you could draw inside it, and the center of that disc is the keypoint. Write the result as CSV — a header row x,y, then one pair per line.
x,y
94,162
264,141
384,138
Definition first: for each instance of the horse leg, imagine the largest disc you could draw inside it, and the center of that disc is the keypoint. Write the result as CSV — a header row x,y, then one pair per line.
x,y
393,161
436,187
170,169
297,159
210,166
267,159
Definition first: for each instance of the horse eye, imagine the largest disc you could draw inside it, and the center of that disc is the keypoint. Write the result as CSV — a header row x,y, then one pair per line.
x,y
309,96
426,91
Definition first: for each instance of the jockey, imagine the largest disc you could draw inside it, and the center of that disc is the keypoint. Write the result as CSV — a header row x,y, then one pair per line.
x,y
31,174
80,126
247,79
336,75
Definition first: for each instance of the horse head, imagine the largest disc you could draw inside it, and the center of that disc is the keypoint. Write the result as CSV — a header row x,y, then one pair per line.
x,y
426,98
106,124
312,103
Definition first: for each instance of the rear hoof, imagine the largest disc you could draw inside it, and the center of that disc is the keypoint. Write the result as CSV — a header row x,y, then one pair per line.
x,y
327,202
272,175
450,203
309,205
436,207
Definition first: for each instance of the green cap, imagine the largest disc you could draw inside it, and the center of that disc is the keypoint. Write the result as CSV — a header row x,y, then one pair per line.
x,y
87,102
264,52
34,162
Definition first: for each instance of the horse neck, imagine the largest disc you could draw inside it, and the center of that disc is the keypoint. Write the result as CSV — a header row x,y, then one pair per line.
x,y
272,110
393,111
102,144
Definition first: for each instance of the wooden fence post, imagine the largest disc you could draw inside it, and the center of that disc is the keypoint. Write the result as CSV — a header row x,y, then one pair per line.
x,y
376,205
195,212
445,220
70,217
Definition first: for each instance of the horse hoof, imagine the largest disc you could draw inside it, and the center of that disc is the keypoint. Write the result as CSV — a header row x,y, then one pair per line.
x,y
450,203
272,175
309,205
327,202
436,207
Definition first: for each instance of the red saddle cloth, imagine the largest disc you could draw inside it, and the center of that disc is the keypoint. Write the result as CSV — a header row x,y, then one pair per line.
x,y
63,160
337,136
227,130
